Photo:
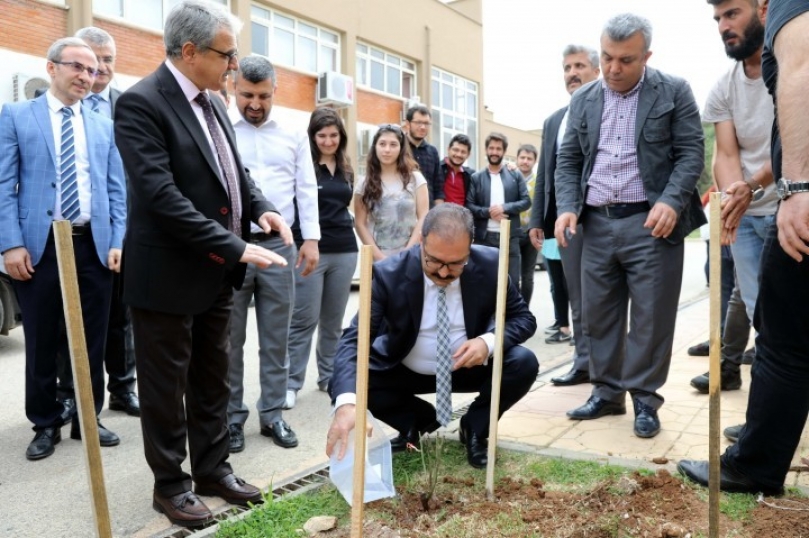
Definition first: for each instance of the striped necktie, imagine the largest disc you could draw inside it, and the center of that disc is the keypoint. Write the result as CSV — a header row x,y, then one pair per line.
x,y
443,367
69,183
95,102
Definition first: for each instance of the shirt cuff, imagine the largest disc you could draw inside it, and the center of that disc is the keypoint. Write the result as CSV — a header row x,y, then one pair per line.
x,y
347,398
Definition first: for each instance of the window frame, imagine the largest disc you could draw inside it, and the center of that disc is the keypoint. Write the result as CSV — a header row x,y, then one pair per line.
x,y
447,122
369,57
135,5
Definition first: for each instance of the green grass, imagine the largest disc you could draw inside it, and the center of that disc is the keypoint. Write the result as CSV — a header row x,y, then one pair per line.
x,y
284,517
581,474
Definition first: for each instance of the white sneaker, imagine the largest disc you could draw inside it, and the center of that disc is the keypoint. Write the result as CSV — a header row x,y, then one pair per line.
x,y
292,398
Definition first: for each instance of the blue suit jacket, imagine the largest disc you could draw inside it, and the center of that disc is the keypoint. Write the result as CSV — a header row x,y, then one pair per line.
x,y
397,302
669,142
28,178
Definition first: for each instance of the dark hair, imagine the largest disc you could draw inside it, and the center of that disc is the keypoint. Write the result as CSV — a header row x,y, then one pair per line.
x,y
753,3
421,109
460,139
448,220
255,69
326,117
405,165
530,148
497,136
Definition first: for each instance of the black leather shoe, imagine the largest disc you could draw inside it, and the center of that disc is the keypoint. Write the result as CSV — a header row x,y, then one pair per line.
x,y
729,480
282,435
184,509
597,408
231,488
476,447
43,444
236,432
127,402
69,410
400,442
647,423
558,338
700,350
732,433
105,436
573,377
731,379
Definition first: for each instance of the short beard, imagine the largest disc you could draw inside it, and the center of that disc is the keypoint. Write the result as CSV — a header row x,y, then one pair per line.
x,y
750,42
492,161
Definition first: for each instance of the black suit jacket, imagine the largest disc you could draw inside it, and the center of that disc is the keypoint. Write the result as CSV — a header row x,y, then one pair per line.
x,y
397,301
543,208
178,252
478,199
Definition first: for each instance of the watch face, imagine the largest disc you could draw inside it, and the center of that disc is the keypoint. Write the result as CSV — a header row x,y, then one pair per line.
x,y
783,189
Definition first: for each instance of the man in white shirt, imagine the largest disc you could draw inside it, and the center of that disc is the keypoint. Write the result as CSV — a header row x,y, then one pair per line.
x,y
410,343
280,162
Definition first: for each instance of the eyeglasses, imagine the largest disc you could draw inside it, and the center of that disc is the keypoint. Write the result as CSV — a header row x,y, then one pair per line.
x,y
229,55
106,59
79,67
436,265
422,123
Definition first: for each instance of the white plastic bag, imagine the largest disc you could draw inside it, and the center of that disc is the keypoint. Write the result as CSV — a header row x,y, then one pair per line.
x,y
378,467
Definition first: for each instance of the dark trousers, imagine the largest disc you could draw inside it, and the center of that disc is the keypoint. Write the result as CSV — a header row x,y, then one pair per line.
x,y
392,393
182,364
728,276
561,300
778,403
528,265
41,303
119,357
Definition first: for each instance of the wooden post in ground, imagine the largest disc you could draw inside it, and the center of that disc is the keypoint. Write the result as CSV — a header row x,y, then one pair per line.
x,y
714,373
80,364
363,354
497,367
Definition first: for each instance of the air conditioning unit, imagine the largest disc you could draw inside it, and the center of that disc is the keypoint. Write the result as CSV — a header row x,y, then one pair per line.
x,y
25,86
335,89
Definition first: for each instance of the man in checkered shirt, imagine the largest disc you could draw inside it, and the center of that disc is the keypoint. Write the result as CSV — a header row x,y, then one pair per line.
x,y
627,169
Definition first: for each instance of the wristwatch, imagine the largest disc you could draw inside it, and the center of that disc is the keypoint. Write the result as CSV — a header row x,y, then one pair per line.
x,y
756,190
787,188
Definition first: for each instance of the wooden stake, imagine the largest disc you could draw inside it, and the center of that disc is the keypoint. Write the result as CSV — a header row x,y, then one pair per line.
x,y
497,367
363,356
714,373
80,365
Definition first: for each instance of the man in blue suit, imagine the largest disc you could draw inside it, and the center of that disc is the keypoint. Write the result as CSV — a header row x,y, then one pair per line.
x,y
58,160
407,334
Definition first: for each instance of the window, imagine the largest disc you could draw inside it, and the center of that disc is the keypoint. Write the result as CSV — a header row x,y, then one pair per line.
x,y
291,42
146,13
455,110
385,72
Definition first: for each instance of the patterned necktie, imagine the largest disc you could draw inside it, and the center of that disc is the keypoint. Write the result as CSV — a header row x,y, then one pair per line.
x,y
95,102
443,368
69,184
231,183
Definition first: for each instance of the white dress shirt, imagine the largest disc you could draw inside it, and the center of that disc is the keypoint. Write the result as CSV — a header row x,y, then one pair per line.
x,y
280,163
191,91
422,358
85,186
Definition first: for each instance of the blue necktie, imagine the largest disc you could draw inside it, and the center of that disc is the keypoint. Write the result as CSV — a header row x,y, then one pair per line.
x,y
69,184
443,367
95,102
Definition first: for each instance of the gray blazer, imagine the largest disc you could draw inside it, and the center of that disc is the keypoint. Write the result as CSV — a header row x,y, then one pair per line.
x,y
478,199
669,141
543,208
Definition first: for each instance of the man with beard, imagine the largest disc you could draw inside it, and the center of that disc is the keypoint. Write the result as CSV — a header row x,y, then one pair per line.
x,y
453,176
496,193
417,126
627,169
280,162
431,331
778,406
580,66
742,112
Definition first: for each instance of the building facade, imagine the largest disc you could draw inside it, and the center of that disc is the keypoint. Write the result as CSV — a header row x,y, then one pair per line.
x,y
371,59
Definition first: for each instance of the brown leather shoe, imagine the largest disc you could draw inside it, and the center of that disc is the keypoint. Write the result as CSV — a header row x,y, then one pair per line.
x,y
231,488
184,509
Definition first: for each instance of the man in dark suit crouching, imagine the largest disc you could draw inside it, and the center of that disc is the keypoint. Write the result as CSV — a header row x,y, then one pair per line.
x,y
432,328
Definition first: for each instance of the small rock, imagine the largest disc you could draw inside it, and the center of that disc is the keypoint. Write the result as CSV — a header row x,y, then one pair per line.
x,y
660,461
320,524
672,530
